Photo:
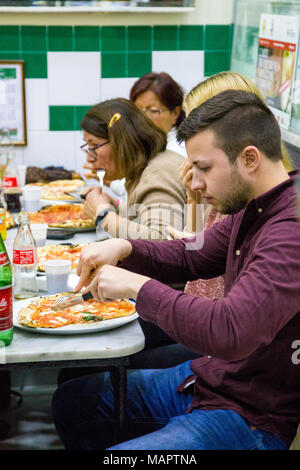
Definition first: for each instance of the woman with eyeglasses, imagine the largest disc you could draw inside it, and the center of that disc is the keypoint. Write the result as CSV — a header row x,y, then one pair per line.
x,y
121,140
161,98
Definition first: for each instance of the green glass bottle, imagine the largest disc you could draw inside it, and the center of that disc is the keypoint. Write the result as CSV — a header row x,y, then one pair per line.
x,y
6,305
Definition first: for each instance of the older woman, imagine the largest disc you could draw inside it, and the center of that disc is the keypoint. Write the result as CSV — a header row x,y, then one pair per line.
x,y
161,98
121,140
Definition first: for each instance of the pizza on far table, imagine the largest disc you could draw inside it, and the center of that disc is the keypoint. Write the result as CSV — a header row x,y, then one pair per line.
x,y
60,189
62,216
39,313
61,251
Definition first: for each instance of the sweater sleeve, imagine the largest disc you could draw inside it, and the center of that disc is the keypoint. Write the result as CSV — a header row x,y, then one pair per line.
x,y
156,202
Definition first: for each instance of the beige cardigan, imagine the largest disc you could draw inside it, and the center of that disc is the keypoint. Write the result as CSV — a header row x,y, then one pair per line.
x,y
154,203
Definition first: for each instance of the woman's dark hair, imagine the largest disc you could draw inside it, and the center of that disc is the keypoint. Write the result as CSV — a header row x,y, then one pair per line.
x,y
134,139
166,89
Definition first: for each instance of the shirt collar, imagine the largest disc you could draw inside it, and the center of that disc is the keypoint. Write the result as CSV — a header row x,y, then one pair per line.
x,y
261,202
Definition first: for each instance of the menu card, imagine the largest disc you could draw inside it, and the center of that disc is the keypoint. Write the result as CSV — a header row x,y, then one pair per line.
x,y
275,72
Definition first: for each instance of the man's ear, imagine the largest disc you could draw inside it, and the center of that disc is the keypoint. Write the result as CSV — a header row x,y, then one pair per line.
x,y
250,158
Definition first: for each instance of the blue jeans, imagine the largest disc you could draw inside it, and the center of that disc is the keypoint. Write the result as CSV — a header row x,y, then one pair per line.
x,y
83,415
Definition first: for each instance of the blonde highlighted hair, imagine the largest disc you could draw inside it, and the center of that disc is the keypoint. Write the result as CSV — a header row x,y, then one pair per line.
x,y
221,82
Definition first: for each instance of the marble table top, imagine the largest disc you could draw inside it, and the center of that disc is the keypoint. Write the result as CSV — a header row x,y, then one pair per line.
x,y
33,347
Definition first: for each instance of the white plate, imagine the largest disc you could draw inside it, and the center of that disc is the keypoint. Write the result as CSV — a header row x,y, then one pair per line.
x,y
54,202
71,329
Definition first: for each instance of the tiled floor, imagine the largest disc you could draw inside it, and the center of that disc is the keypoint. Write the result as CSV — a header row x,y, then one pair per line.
x,y
31,425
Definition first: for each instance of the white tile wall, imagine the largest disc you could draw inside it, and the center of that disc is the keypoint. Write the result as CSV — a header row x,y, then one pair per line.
x,y
116,87
79,155
74,78
50,148
37,105
186,67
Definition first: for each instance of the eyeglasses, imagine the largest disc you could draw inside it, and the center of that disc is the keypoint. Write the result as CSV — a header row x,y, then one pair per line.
x,y
153,111
92,150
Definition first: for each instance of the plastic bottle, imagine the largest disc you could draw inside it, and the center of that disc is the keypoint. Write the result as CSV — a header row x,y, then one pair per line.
x,y
3,161
24,260
3,207
6,305
11,174
5,145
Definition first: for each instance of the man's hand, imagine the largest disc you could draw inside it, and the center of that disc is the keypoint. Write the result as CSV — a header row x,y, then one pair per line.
x,y
95,255
95,202
111,282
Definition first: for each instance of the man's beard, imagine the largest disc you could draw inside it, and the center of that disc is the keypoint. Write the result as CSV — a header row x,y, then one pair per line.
x,y
238,195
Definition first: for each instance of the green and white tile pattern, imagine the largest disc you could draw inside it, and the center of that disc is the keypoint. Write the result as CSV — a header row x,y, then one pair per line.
x,y
70,68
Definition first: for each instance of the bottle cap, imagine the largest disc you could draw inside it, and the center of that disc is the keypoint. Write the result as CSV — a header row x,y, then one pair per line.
x,y
23,218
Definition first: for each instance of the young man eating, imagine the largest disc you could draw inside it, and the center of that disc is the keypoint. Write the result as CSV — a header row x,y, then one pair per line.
x,y
243,393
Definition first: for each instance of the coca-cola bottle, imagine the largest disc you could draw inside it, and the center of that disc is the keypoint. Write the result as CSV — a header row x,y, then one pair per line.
x,y
11,184
24,260
11,174
6,306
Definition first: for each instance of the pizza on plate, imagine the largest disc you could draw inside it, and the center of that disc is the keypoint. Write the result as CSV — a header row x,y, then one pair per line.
x,y
39,312
59,189
48,252
62,216
56,195
67,185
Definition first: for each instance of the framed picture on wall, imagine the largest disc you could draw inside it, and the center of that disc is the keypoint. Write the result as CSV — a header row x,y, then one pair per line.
x,y
12,103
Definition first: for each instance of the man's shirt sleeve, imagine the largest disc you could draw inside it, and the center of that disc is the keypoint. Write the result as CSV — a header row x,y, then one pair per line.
x,y
263,298
203,256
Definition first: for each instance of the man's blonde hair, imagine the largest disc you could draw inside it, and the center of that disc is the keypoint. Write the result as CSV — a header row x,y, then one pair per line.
x,y
221,82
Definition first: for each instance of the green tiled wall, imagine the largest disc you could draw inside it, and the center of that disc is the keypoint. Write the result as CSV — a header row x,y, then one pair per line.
x,y
66,118
129,47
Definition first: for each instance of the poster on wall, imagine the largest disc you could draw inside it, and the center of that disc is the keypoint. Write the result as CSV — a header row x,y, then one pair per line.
x,y
275,71
12,102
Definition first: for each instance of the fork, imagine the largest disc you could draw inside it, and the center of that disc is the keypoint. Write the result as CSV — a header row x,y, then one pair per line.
x,y
101,174
67,300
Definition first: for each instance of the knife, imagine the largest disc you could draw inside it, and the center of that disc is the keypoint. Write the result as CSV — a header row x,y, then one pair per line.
x,y
68,300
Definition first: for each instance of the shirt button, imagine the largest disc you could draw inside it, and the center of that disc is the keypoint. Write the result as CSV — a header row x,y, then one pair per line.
x,y
237,252
259,210
209,357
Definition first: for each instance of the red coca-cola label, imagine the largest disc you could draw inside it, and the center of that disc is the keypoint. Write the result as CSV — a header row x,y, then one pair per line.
x,y
3,258
10,181
6,308
23,256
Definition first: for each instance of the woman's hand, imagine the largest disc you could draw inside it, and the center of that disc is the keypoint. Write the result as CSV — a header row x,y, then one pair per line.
x,y
111,282
95,202
177,235
95,255
186,176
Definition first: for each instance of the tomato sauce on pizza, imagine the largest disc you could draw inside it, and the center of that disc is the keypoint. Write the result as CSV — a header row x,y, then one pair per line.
x,y
39,313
